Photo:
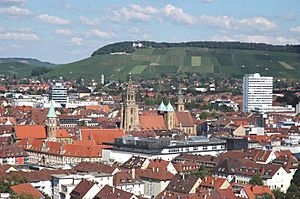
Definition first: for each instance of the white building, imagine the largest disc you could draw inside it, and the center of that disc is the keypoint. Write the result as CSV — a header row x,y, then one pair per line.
x,y
58,93
63,184
298,108
257,92
126,147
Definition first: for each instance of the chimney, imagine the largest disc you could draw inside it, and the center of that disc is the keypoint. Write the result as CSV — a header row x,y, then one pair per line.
x,y
133,173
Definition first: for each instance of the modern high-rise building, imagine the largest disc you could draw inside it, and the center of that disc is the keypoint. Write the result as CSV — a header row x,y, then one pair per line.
x,y
58,93
257,93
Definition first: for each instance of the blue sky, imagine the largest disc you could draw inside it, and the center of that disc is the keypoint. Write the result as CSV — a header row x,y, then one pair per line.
x,y
62,31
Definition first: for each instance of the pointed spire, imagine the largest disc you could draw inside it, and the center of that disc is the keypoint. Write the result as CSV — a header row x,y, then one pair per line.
x,y
169,107
51,113
162,107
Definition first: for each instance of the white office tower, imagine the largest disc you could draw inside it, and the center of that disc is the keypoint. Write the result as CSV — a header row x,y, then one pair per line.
x,y
257,93
58,93
102,79
298,108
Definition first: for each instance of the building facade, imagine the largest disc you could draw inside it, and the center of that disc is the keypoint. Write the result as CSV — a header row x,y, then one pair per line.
x,y
58,93
257,92
166,118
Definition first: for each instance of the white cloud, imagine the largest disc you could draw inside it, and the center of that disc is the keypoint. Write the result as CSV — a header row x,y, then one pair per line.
x,y
290,16
91,22
134,13
12,2
19,36
53,19
257,22
15,46
177,15
76,41
15,11
231,23
134,30
100,33
148,13
295,29
207,1
269,39
65,32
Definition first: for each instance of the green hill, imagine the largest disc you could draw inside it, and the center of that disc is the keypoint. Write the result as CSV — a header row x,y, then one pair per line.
x,y
18,68
29,61
153,62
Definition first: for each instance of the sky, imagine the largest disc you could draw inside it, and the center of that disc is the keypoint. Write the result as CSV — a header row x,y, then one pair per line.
x,y
61,31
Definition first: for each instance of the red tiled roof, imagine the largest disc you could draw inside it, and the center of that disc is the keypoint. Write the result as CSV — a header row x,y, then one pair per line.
x,y
158,164
82,188
162,175
26,188
109,192
212,182
4,168
254,191
151,122
186,166
184,119
62,133
30,131
101,135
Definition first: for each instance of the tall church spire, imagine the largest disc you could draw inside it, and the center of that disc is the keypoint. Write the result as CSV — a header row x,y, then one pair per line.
x,y
180,103
51,123
51,113
129,109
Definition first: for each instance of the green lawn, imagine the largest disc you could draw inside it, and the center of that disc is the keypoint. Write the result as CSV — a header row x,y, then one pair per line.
x,y
138,69
286,65
196,61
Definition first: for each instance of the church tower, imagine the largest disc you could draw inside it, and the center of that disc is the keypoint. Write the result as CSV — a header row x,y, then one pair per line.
x,y
129,109
51,123
170,116
180,103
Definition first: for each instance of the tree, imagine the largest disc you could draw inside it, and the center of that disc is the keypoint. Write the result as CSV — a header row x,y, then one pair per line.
x,y
278,193
293,192
202,172
12,179
256,180
265,196
296,178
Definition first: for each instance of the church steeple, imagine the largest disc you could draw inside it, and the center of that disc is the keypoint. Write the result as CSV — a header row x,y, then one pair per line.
x,y
51,123
180,103
129,109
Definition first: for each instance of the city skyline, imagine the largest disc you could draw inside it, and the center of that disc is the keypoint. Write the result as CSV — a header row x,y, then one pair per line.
x,y
65,31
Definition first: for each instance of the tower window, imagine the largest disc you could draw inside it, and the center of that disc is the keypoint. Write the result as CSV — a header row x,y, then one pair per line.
x,y
131,111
